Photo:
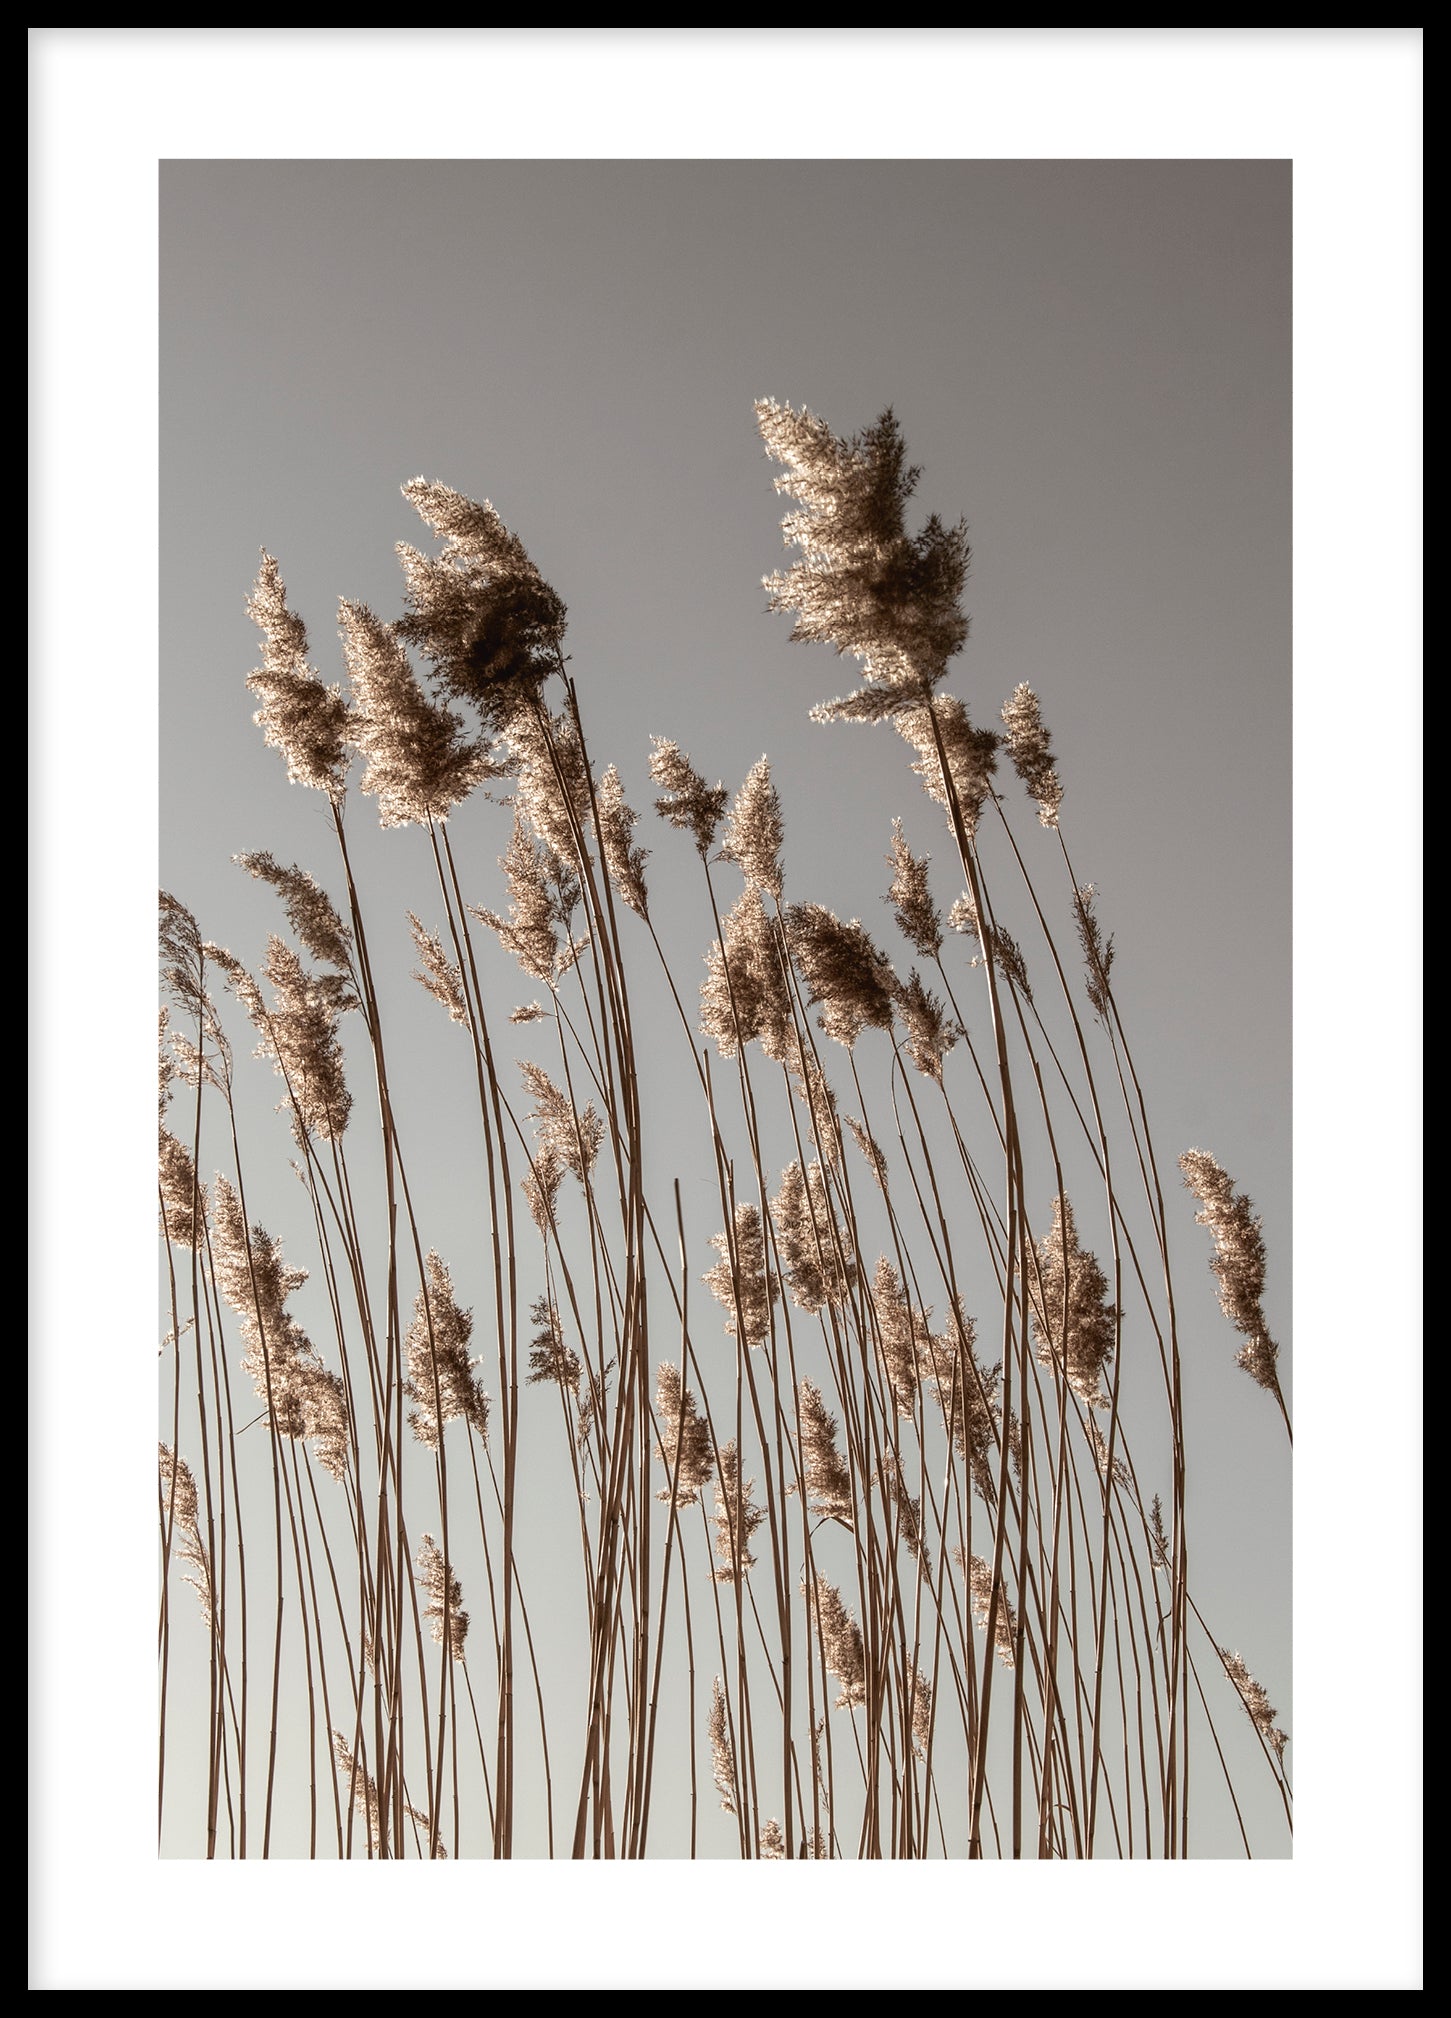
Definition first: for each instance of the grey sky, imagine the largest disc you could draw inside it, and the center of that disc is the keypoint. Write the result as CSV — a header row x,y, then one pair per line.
x,y
1090,361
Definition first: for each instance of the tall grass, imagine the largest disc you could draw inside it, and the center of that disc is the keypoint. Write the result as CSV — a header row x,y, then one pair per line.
x,y
863,1533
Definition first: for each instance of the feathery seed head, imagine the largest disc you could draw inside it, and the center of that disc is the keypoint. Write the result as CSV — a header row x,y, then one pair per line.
x,y
480,609
549,1357
1262,1712
179,1506
1072,1320
1239,1261
571,1136
1031,750
541,903
445,1596
419,763
843,971
1005,1630
931,1032
300,716
310,911
815,1251
722,1751
686,800
438,974
904,1338
686,1438
918,918
876,1161
841,1642
863,584
755,832
736,1519
1097,951
971,754
744,994
626,862
437,1346
825,1471
741,1282
183,1201
299,1035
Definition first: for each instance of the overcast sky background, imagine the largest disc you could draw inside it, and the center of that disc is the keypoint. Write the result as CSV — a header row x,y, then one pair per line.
x,y
1099,399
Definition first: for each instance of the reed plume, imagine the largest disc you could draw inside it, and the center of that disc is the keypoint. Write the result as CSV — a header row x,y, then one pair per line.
x,y
1239,1261
300,716
441,1381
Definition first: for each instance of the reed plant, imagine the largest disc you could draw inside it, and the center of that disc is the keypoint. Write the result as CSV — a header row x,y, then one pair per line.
x,y
862,1531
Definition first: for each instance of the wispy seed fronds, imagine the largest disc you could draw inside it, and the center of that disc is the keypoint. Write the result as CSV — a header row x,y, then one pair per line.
x,y
299,1035
1005,949
183,957
1005,1630
686,800
553,788
1097,951
921,1713
324,1403
572,1136
445,1593
1158,1538
179,1501
736,1518
755,831
183,1201
305,720
549,1356
843,971
931,1032
841,1642
904,1337
480,610
686,1438
310,911
1262,1712
722,1751
1031,749
971,755
256,1283
365,1797
825,1470
743,1285
815,1251
918,918
876,1161
626,862
536,931
966,1392
1239,1261
419,763
438,974
540,1186
1072,1319
744,994
863,584
437,1344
